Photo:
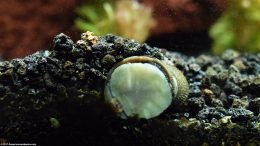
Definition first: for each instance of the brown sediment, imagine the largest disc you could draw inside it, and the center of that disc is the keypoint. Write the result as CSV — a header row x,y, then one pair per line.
x,y
27,26
184,15
24,22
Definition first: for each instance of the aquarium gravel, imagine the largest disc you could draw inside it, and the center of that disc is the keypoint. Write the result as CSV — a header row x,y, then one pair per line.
x,y
56,97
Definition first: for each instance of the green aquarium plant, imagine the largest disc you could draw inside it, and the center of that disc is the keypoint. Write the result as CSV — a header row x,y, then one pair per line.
x,y
127,18
238,27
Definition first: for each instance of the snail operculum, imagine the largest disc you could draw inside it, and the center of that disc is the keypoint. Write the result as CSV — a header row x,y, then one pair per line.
x,y
143,87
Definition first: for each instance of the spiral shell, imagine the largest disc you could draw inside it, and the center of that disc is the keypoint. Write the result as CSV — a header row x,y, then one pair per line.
x,y
144,87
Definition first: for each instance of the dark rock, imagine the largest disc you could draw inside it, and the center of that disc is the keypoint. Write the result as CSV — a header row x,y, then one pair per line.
x,y
194,67
196,104
62,45
49,81
232,88
240,65
62,42
67,84
211,112
254,105
254,122
224,99
215,89
77,53
4,65
108,60
230,55
204,61
240,114
2,90
240,103
22,69
194,90
81,64
232,97
215,102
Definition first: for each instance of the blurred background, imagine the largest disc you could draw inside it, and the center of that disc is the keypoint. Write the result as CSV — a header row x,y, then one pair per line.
x,y
188,26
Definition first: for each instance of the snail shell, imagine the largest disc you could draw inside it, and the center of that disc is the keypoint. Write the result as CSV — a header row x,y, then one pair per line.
x,y
144,87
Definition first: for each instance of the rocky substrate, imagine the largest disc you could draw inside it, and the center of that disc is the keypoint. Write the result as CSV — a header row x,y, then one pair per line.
x,y
56,97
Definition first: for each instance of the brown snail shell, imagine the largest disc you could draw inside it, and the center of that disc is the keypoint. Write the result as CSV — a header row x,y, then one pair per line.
x,y
144,87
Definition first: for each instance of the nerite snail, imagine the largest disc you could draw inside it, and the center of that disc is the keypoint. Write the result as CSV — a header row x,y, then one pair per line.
x,y
144,87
